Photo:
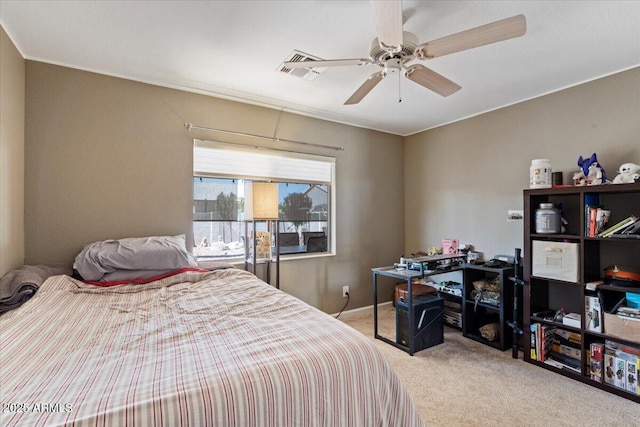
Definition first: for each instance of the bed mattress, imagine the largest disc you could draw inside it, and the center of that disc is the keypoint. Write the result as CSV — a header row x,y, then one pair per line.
x,y
220,348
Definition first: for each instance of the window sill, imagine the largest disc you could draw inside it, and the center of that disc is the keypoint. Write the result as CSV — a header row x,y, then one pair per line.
x,y
239,262
306,256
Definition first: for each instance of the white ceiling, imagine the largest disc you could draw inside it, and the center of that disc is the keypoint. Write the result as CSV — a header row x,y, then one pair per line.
x,y
232,49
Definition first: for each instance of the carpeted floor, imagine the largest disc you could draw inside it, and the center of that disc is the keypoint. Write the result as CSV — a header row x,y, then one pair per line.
x,y
465,383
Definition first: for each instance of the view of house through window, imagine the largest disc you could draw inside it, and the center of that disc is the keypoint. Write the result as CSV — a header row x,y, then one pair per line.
x,y
218,217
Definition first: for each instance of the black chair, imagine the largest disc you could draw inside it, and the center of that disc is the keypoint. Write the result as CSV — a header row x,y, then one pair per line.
x,y
307,234
317,244
288,239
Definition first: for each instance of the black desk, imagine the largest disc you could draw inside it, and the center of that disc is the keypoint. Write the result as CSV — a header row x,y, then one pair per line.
x,y
408,276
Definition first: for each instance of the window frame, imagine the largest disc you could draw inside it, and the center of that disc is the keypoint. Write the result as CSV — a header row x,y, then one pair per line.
x,y
276,154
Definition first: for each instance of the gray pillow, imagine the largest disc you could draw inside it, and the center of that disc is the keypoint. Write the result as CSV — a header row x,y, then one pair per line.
x,y
137,254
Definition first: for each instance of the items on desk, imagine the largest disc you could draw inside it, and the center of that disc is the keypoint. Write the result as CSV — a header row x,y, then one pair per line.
x,y
449,246
417,289
430,263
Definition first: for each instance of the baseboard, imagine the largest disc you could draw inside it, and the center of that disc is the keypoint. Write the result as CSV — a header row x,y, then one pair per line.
x,y
361,311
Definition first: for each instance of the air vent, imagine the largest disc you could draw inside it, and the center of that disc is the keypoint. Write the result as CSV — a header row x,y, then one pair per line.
x,y
304,73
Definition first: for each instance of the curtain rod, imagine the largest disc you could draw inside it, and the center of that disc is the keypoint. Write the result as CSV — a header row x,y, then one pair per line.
x,y
190,126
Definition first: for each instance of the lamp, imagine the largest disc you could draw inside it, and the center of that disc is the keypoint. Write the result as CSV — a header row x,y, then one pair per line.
x,y
261,204
261,201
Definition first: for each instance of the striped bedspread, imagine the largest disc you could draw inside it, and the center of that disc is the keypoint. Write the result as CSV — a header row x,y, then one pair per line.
x,y
196,349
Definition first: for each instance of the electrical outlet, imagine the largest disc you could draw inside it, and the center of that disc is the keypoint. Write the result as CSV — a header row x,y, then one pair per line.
x,y
345,291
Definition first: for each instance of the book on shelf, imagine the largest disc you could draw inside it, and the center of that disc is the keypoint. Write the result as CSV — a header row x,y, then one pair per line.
x,y
593,226
568,338
619,227
534,340
561,365
596,219
566,347
596,362
566,360
537,349
545,340
538,345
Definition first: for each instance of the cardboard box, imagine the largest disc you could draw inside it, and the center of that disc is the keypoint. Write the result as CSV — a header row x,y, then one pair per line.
x,y
609,368
593,312
619,370
555,260
630,355
631,373
625,328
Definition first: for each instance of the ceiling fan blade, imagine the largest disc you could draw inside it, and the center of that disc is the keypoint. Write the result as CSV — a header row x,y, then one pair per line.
x,y
326,63
504,29
388,17
366,87
431,80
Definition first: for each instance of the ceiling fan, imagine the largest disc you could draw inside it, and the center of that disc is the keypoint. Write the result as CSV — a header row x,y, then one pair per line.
x,y
394,48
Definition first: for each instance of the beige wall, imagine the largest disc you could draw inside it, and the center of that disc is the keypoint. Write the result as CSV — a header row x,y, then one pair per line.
x,y
461,179
111,158
12,99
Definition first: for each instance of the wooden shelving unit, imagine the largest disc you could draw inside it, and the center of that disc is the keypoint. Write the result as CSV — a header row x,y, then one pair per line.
x,y
594,254
477,314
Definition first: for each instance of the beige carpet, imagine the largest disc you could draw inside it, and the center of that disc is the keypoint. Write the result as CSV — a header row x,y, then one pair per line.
x,y
464,383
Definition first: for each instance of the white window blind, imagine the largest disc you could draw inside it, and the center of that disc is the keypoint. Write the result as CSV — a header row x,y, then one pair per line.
x,y
211,158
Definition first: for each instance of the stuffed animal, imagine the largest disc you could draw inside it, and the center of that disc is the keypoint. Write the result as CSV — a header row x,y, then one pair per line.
x,y
591,172
628,173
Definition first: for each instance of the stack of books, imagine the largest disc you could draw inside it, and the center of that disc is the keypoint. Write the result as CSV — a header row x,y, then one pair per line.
x,y
566,350
556,347
630,312
620,227
541,341
596,219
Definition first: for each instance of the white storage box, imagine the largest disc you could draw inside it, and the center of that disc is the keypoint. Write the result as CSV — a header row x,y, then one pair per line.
x,y
555,260
572,319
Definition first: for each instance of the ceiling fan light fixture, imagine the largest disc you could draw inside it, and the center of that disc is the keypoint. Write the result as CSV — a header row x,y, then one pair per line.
x,y
394,48
378,54
392,66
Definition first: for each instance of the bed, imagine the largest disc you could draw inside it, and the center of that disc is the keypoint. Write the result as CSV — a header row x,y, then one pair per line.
x,y
194,348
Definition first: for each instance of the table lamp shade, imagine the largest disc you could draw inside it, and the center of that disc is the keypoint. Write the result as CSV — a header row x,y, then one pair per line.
x,y
261,201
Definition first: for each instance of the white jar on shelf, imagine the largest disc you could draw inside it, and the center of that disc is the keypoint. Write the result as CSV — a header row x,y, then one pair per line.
x,y
540,174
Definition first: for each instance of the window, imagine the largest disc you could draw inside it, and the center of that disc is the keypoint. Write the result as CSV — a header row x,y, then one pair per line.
x,y
305,194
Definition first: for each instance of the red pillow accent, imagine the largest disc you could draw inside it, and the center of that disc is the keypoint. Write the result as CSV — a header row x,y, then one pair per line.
x,y
151,279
